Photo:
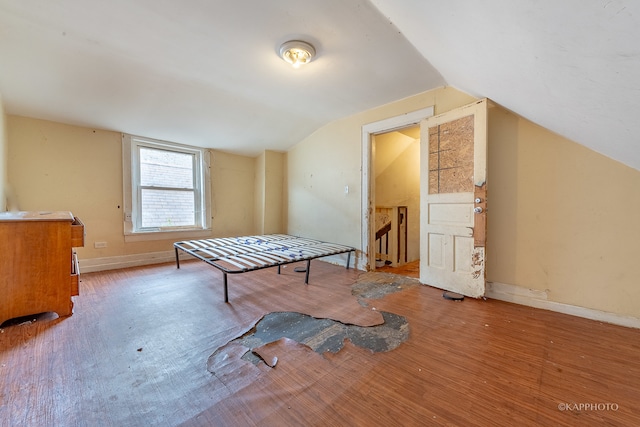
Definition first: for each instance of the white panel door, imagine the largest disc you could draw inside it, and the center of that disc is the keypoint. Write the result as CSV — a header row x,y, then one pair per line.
x,y
453,163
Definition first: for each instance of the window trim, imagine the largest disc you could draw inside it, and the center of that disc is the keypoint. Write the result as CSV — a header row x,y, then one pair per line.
x,y
130,168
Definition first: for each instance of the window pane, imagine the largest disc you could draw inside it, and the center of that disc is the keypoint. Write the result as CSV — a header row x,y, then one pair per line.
x,y
166,208
161,168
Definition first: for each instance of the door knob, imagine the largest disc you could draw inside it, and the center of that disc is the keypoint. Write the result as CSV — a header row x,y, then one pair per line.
x,y
477,209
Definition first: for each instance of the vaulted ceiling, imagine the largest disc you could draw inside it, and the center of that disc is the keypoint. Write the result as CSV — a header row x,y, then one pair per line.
x,y
571,66
207,72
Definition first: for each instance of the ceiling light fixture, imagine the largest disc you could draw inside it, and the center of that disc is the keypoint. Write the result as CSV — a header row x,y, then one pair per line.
x,y
297,52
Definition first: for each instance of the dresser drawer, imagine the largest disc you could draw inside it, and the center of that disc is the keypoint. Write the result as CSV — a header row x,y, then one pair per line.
x,y
77,233
75,275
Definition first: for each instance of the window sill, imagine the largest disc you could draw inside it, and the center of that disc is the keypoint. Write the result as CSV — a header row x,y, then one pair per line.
x,y
167,235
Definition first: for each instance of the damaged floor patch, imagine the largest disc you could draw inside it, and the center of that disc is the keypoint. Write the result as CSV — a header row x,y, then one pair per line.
x,y
320,334
376,285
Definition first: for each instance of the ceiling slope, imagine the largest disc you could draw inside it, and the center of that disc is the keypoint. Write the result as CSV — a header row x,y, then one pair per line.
x,y
571,66
203,72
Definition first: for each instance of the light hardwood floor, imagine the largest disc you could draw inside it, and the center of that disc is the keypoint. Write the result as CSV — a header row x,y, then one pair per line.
x,y
135,353
411,269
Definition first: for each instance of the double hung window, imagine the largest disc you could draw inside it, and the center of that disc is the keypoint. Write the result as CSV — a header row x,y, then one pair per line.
x,y
166,186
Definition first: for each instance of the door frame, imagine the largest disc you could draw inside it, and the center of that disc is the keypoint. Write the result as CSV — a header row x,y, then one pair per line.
x,y
368,173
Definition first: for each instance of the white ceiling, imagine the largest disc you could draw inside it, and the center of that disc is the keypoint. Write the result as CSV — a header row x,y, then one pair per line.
x,y
206,72
203,72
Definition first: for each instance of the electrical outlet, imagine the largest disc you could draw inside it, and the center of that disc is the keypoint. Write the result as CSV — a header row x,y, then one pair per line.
x,y
100,245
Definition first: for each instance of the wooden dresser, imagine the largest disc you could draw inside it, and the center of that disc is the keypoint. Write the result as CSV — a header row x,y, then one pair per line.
x,y
38,266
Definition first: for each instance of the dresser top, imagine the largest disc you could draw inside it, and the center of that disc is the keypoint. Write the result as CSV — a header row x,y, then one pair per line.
x,y
36,216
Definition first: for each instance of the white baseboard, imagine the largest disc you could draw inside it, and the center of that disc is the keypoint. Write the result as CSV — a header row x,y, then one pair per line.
x,y
341,259
538,299
124,261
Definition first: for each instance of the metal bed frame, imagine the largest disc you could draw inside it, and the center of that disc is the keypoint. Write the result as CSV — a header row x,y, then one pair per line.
x,y
233,255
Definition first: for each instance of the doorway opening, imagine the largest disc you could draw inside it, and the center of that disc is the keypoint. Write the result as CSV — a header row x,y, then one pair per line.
x,y
396,166
391,193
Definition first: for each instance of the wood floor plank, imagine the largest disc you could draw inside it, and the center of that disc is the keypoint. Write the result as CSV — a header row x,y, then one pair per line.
x,y
135,353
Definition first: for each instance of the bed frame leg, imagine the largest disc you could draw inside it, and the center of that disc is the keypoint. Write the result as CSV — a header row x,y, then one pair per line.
x,y
278,268
177,258
306,274
348,259
226,291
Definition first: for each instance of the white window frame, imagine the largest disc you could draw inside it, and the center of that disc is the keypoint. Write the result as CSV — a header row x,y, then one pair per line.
x,y
131,180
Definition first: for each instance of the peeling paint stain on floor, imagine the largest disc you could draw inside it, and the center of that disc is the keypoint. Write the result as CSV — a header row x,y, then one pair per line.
x,y
374,285
320,335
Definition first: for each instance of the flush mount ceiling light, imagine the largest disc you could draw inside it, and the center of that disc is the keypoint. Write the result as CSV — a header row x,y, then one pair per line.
x,y
297,52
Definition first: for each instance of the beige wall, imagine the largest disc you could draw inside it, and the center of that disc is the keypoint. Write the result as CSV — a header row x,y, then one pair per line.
x,y
3,158
274,196
319,167
232,187
562,218
259,196
53,166
397,172
269,187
